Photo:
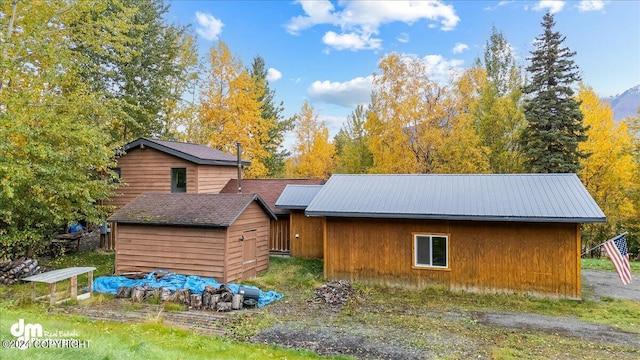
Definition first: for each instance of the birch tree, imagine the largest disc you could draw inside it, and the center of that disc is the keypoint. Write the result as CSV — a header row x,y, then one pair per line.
x,y
54,140
313,153
230,111
610,173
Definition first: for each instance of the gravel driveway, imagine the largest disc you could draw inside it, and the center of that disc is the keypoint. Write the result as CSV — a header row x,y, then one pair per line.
x,y
607,283
378,342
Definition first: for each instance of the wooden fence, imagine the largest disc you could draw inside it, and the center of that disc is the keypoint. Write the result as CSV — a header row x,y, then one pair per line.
x,y
280,242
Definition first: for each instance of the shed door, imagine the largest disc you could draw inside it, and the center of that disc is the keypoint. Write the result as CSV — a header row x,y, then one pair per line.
x,y
249,259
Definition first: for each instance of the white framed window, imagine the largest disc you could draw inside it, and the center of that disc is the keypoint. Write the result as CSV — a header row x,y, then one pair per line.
x,y
430,251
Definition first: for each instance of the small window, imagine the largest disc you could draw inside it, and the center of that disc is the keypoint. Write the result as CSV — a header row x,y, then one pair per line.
x,y
430,251
178,180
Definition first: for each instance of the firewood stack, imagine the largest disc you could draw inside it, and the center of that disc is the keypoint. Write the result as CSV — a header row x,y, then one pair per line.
x,y
11,272
334,293
221,299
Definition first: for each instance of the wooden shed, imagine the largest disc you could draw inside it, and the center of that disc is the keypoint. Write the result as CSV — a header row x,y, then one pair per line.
x,y
225,236
160,166
305,232
270,190
485,233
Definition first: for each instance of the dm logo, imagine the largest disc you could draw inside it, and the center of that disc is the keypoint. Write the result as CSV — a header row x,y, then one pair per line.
x,y
25,332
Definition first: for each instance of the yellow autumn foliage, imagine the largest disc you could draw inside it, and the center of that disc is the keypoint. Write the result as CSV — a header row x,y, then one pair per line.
x,y
419,126
313,153
230,112
610,172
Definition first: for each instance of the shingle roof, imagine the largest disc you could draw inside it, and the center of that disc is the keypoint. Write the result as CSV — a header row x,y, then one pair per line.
x,y
297,197
209,210
198,154
268,189
525,197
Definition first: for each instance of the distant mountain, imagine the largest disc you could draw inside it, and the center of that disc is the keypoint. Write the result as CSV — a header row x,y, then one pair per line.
x,y
625,104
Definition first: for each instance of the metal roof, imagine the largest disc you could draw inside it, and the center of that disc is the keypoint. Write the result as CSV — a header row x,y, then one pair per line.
x,y
208,210
512,197
268,189
198,154
297,197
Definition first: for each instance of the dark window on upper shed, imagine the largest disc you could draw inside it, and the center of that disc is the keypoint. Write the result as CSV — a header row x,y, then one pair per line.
x,y
178,180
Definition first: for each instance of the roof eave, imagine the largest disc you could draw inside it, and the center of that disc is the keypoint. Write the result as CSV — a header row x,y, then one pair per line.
x,y
291,207
261,203
196,160
575,220
171,223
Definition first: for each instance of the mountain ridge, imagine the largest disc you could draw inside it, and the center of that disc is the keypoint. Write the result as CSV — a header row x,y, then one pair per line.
x,y
625,104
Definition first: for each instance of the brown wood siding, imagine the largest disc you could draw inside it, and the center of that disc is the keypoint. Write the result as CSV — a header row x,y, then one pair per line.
x,y
253,218
536,258
280,241
308,244
184,250
149,170
211,179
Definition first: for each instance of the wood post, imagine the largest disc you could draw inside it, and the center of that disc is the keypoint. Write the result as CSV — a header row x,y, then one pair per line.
x,y
74,287
33,291
52,293
90,277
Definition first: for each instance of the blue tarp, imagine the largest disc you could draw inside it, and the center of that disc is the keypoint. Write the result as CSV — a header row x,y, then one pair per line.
x,y
173,281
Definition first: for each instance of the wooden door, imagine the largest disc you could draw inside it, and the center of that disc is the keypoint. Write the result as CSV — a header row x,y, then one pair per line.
x,y
249,259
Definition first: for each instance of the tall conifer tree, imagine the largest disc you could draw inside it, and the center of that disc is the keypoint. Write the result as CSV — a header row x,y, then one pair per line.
x,y
555,127
271,113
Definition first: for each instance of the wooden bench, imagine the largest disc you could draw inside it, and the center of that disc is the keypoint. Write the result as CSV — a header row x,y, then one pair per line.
x,y
53,277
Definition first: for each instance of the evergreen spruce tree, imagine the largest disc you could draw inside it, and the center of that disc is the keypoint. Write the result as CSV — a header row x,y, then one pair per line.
x,y
273,114
550,140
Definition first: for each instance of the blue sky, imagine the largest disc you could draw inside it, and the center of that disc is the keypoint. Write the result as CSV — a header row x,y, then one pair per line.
x,y
326,51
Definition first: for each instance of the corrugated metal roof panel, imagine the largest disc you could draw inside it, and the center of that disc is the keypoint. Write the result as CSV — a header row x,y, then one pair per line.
x,y
508,197
268,189
297,196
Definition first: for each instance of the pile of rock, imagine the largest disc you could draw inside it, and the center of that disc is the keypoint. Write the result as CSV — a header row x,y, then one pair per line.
x,y
220,299
334,293
11,272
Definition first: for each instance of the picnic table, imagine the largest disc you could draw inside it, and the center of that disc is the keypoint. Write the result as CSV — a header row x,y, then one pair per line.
x,y
53,277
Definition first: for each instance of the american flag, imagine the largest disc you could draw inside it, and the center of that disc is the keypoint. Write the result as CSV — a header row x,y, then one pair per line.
x,y
618,252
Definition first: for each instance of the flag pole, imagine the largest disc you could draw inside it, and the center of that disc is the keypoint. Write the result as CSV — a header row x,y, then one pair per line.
x,y
597,246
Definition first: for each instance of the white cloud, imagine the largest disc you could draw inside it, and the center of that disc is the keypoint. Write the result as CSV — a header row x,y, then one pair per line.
x,y
347,94
209,27
440,69
403,38
333,123
273,74
362,19
317,12
460,47
589,5
553,6
351,41
437,68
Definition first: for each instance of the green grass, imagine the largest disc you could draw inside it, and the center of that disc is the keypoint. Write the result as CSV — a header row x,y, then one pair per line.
x,y
101,260
606,264
418,314
134,341
290,275
148,340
